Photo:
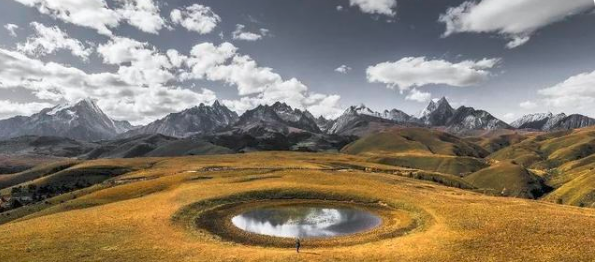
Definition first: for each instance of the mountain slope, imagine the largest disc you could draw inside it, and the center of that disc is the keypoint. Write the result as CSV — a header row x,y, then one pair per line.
x,y
441,114
82,120
437,113
361,120
421,148
509,179
199,120
153,146
551,122
468,118
277,118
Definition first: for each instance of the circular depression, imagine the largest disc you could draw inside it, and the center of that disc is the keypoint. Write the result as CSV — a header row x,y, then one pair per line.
x,y
306,220
214,217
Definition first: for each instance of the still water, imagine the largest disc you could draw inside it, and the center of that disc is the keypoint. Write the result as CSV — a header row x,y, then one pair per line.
x,y
305,221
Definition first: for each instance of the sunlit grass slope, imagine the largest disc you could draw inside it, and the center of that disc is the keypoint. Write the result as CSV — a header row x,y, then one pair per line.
x,y
421,148
133,217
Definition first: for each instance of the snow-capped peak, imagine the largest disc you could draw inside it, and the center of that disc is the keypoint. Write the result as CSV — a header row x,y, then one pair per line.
x,y
531,118
433,106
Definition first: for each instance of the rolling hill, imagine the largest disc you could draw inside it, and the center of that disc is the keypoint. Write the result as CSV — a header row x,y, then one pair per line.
x,y
149,213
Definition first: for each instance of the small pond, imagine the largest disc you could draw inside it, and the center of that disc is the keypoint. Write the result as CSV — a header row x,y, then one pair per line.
x,y
306,221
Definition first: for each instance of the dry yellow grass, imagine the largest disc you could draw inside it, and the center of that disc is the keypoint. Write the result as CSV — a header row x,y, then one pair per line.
x,y
134,221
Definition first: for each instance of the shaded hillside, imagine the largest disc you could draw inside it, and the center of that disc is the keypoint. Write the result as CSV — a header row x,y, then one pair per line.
x,y
154,146
45,146
494,140
34,173
550,150
508,179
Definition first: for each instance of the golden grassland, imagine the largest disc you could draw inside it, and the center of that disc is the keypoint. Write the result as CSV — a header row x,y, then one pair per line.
x,y
147,214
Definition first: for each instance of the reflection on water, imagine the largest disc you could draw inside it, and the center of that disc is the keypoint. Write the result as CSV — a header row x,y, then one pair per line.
x,y
303,221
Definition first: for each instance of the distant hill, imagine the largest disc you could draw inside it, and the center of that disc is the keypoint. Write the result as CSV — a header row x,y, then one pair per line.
x,y
421,148
509,179
416,141
154,146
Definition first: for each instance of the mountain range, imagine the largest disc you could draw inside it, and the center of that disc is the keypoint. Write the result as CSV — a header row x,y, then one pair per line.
x,y
269,124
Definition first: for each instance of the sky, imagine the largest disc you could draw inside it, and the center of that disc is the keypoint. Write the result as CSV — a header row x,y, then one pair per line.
x,y
143,59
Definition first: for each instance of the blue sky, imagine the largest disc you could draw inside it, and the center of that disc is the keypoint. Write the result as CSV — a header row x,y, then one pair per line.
x,y
142,59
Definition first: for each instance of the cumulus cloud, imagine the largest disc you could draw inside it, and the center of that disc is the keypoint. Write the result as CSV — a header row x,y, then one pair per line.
x,y
574,94
255,84
379,7
418,96
120,99
139,62
343,69
9,108
142,14
93,14
96,14
418,71
197,18
48,40
515,20
528,105
11,29
241,34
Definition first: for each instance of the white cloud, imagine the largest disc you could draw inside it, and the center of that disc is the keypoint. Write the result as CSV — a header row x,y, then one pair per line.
x,y
241,34
418,71
380,7
515,20
256,85
142,14
11,29
197,18
93,14
139,63
205,56
96,14
576,93
416,95
119,99
528,105
509,117
343,69
176,59
339,8
9,108
48,40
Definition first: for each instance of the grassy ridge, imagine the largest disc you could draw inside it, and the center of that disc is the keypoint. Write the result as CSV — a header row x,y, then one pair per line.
x,y
509,179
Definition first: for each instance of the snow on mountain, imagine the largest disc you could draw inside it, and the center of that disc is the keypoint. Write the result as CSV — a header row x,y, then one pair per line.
x,y
82,120
437,113
278,118
356,118
551,122
528,120
198,120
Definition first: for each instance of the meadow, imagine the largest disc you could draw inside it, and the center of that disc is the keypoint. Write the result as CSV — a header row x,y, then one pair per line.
x,y
176,209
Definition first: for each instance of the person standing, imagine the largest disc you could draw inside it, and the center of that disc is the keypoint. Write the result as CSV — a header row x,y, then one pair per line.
x,y
297,244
